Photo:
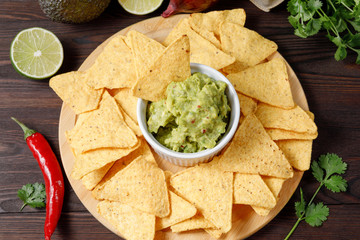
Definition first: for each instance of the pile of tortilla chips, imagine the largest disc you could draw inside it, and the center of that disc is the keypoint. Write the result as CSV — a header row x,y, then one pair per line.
x,y
113,160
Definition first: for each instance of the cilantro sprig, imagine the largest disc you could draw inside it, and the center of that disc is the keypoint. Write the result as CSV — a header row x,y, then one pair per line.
x,y
339,18
33,195
326,171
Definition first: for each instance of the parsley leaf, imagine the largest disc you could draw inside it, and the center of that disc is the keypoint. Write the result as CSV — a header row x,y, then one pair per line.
x,y
33,195
316,214
326,172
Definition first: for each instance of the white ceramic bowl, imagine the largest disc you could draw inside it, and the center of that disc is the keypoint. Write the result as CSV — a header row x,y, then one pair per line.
x,y
190,159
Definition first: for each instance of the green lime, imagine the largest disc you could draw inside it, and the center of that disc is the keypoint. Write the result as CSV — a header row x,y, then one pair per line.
x,y
140,7
36,53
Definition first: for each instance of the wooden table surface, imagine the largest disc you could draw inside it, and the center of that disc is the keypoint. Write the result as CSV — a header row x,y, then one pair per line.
x,y
332,89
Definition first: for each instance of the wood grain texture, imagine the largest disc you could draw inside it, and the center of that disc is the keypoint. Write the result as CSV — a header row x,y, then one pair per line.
x,y
332,89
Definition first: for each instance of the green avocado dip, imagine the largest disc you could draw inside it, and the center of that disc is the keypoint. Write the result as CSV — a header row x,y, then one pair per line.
x,y
194,115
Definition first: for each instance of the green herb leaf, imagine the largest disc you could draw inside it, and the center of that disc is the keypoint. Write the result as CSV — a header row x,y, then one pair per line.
x,y
33,195
332,164
336,183
340,53
315,215
317,172
354,40
313,27
300,206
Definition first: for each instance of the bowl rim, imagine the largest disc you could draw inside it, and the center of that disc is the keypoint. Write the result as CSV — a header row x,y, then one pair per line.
x,y
216,75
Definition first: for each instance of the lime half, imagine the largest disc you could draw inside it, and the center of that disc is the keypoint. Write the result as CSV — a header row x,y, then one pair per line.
x,y
140,7
36,53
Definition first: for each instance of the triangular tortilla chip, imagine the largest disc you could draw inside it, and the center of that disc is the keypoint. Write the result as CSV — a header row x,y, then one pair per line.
x,y
247,46
132,125
145,50
250,189
180,210
196,222
298,152
295,119
131,223
210,190
202,51
267,82
275,185
91,179
173,65
71,87
247,104
281,134
114,67
211,21
252,151
215,233
141,185
104,128
128,102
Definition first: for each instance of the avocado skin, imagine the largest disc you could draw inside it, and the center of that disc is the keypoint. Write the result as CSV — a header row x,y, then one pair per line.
x,y
73,11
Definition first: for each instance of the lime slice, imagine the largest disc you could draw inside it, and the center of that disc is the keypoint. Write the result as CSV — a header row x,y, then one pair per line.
x,y
140,7
36,53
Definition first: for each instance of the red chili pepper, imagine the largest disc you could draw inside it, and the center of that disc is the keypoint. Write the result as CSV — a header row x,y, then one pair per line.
x,y
54,181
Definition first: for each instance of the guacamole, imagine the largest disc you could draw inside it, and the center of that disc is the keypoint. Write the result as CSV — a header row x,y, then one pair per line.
x,y
193,116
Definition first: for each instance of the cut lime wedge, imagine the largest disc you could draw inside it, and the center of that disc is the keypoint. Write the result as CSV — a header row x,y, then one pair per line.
x,y
36,53
140,7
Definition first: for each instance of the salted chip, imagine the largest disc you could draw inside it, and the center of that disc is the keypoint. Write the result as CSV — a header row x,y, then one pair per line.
x,y
215,233
210,190
132,125
132,224
250,189
180,210
201,50
247,46
281,134
128,102
145,50
275,185
71,87
247,104
114,67
173,65
91,179
211,21
266,82
295,119
252,151
298,152
141,185
104,128
196,222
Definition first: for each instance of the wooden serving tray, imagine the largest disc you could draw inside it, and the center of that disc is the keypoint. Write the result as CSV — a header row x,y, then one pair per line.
x,y
245,221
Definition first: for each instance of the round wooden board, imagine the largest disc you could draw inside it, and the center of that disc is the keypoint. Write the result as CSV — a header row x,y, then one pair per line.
x,y
245,221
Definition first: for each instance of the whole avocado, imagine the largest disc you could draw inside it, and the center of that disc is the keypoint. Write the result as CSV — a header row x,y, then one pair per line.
x,y
73,11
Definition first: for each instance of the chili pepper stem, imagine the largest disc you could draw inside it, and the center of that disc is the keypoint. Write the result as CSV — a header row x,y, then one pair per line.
x,y
27,131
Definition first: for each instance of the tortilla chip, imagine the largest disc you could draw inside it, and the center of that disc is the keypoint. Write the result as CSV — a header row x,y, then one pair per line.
x,y
145,50
91,179
141,185
298,152
250,189
275,185
114,67
211,21
180,210
267,82
104,128
71,87
215,233
281,134
131,223
128,102
247,46
196,222
210,190
247,104
172,65
132,125
252,151
201,50
295,119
